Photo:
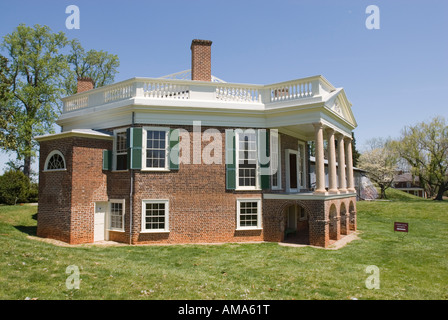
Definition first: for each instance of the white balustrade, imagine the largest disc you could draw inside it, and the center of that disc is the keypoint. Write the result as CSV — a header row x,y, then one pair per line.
x,y
237,94
76,103
155,89
116,93
291,91
165,90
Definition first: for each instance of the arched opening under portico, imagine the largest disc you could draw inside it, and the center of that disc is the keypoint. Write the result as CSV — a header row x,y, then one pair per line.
x,y
296,224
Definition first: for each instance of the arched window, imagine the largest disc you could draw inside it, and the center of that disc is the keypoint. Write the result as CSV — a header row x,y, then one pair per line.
x,y
55,161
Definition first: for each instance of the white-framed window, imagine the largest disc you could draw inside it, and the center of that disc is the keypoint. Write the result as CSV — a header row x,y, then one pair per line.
x,y
155,148
276,177
120,150
155,216
116,215
55,161
246,160
248,215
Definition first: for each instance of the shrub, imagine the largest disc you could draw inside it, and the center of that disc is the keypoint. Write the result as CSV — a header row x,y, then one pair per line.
x,y
14,187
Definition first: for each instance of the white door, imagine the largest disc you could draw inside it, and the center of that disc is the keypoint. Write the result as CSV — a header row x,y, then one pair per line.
x,y
100,221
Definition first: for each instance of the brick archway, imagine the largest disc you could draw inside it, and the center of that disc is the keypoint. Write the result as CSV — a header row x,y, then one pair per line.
x,y
352,216
301,234
344,219
334,227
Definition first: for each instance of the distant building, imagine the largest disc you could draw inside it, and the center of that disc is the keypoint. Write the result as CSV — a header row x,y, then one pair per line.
x,y
408,183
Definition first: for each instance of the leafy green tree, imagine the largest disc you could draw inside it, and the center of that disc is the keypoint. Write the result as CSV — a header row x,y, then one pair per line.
x,y
14,187
36,64
6,114
425,147
355,152
99,66
35,75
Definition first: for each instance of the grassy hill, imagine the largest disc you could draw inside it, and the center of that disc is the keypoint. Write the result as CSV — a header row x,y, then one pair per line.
x,y
414,266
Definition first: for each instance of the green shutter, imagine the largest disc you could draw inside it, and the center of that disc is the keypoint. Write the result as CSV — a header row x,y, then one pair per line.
x,y
107,160
173,154
230,160
134,142
265,175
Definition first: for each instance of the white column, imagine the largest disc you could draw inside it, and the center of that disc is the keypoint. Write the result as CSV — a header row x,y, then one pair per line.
x,y
319,154
341,164
331,154
349,160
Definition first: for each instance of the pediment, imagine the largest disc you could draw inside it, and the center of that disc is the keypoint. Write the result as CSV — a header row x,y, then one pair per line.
x,y
338,103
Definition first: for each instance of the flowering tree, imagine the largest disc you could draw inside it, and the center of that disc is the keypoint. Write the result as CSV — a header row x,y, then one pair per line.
x,y
381,163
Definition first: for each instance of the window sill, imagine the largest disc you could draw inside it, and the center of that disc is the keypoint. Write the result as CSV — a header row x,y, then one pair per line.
x,y
55,170
248,229
115,230
155,170
247,189
155,231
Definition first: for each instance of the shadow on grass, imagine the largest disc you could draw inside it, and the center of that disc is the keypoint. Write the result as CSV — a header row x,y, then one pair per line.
x,y
29,230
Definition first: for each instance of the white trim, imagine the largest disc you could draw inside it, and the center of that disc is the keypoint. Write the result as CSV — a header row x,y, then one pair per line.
x,y
108,219
51,154
143,216
259,218
144,148
85,133
306,196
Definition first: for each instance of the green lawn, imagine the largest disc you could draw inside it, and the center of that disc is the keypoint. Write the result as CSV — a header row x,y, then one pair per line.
x,y
411,267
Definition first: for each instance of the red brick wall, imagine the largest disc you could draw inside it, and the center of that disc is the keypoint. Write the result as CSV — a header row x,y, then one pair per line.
x,y
66,198
200,207
318,213
89,184
53,218
84,84
201,60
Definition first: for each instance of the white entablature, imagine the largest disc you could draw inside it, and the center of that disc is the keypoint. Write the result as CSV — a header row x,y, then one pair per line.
x,y
293,105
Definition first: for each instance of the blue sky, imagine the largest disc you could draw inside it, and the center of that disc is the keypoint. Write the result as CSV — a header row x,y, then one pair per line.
x,y
394,76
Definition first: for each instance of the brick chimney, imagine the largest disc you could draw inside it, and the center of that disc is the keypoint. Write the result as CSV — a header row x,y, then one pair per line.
x,y
201,60
84,84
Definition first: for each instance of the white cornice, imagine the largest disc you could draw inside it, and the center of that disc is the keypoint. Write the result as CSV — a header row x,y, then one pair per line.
x,y
83,133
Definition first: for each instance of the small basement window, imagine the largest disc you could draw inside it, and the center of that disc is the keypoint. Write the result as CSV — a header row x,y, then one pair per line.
x,y
55,161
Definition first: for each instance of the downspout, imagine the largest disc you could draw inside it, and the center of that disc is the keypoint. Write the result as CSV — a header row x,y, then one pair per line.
x,y
131,193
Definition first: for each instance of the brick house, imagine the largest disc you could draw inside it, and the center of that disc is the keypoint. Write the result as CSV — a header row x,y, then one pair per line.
x,y
406,182
162,160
